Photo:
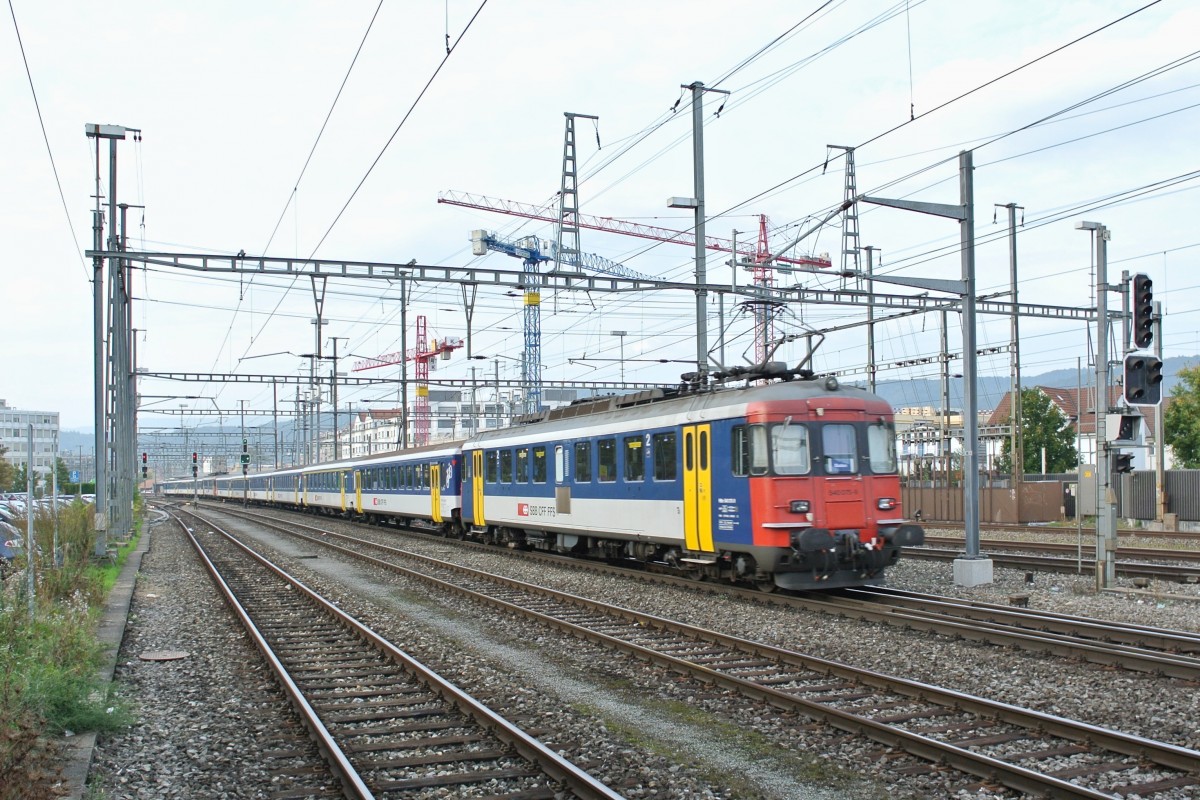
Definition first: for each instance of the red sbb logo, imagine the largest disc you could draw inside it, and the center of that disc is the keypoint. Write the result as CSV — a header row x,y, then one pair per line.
x,y
522,509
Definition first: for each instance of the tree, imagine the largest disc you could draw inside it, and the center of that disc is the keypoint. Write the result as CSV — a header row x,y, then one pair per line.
x,y
1181,418
1042,425
64,474
8,472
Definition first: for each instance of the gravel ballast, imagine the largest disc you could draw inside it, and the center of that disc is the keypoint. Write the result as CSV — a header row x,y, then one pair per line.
x,y
648,734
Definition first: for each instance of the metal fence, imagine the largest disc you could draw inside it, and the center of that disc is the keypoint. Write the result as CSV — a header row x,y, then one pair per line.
x,y
1047,498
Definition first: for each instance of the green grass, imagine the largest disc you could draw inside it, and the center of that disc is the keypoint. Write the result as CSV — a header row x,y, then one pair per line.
x,y
48,662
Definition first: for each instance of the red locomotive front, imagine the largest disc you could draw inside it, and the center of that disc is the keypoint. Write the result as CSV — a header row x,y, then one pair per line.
x,y
828,496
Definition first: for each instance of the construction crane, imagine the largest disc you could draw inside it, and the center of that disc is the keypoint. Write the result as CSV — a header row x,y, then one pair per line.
x,y
424,356
612,225
535,250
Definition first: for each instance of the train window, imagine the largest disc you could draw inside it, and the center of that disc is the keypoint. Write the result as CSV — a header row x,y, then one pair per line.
x,y
506,466
583,462
560,463
539,465
739,449
665,457
522,473
635,459
789,449
490,463
881,447
840,446
424,476
606,458
704,450
759,464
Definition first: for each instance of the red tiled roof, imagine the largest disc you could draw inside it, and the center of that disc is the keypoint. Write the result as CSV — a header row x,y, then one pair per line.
x,y
1070,401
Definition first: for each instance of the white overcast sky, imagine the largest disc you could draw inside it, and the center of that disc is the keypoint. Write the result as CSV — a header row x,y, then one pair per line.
x,y
230,97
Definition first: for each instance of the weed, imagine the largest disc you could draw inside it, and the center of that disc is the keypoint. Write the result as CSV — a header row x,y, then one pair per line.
x,y
48,661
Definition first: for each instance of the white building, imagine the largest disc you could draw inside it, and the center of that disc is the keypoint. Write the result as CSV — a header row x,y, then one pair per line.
x,y
14,437
450,418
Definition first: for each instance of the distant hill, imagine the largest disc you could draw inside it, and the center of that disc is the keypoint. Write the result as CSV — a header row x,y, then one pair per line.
x,y
992,388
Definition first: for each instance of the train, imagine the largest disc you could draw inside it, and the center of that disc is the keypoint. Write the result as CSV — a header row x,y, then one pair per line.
x,y
787,484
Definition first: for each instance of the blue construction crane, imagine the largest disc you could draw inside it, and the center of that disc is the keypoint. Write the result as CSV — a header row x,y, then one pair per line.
x,y
533,251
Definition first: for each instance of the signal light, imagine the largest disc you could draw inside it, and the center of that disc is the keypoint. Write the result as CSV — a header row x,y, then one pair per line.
x,y
193,458
1143,310
1122,428
1122,462
1143,379
144,458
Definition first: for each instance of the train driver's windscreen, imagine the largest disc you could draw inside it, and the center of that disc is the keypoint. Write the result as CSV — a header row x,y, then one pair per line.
x,y
840,446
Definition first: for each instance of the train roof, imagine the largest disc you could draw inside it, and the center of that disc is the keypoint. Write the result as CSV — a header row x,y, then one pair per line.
x,y
659,403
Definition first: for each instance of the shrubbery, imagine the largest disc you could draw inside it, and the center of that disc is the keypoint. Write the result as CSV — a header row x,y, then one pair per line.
x,y
48,664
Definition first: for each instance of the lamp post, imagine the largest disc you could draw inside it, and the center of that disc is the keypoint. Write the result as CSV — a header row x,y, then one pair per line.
x,y
621,338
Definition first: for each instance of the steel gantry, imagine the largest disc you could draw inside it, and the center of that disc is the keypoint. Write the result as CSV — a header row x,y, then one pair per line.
x,y
514,279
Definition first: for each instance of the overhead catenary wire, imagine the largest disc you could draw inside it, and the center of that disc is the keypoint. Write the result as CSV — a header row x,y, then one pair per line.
x,y
45,138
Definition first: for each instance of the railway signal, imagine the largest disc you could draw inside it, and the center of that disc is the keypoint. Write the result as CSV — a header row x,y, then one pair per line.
x,y
1143,310
195,465
1122,428
1143,379
145,468
1121,462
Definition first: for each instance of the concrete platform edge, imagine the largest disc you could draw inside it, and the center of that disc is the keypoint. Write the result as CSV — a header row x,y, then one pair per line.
x,y
109,632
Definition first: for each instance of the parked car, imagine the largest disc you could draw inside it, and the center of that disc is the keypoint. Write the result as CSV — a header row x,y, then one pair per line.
x,y
11,546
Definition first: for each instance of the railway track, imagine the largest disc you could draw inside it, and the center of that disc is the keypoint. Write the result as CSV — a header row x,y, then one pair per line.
x,y
1178,573
1026,750
1071,549
1138,648
387,725
1060,530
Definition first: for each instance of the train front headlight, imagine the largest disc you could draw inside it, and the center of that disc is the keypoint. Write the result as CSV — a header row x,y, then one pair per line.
x,y
886,503
799,506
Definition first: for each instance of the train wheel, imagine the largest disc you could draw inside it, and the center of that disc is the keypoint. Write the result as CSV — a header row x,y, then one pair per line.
x,y
765,585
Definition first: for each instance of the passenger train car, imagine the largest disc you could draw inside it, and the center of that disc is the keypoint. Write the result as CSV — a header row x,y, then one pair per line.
x,y
790,484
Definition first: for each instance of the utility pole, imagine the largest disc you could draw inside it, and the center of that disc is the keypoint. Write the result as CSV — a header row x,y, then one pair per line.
x,y
1016,446
275,421
870,300
696,202
973,568
1106,512
113,133
944,412
319,300
245,457
402,434
621,338
336,429
567,251
1160,446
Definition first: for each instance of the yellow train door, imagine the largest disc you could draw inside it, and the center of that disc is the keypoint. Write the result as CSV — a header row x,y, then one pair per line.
x,y
358,491
435,490
697,487
342,485
477,487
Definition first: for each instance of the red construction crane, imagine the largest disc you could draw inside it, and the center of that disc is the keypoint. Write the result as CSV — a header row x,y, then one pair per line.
x,y
544,214
424,355
764,276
